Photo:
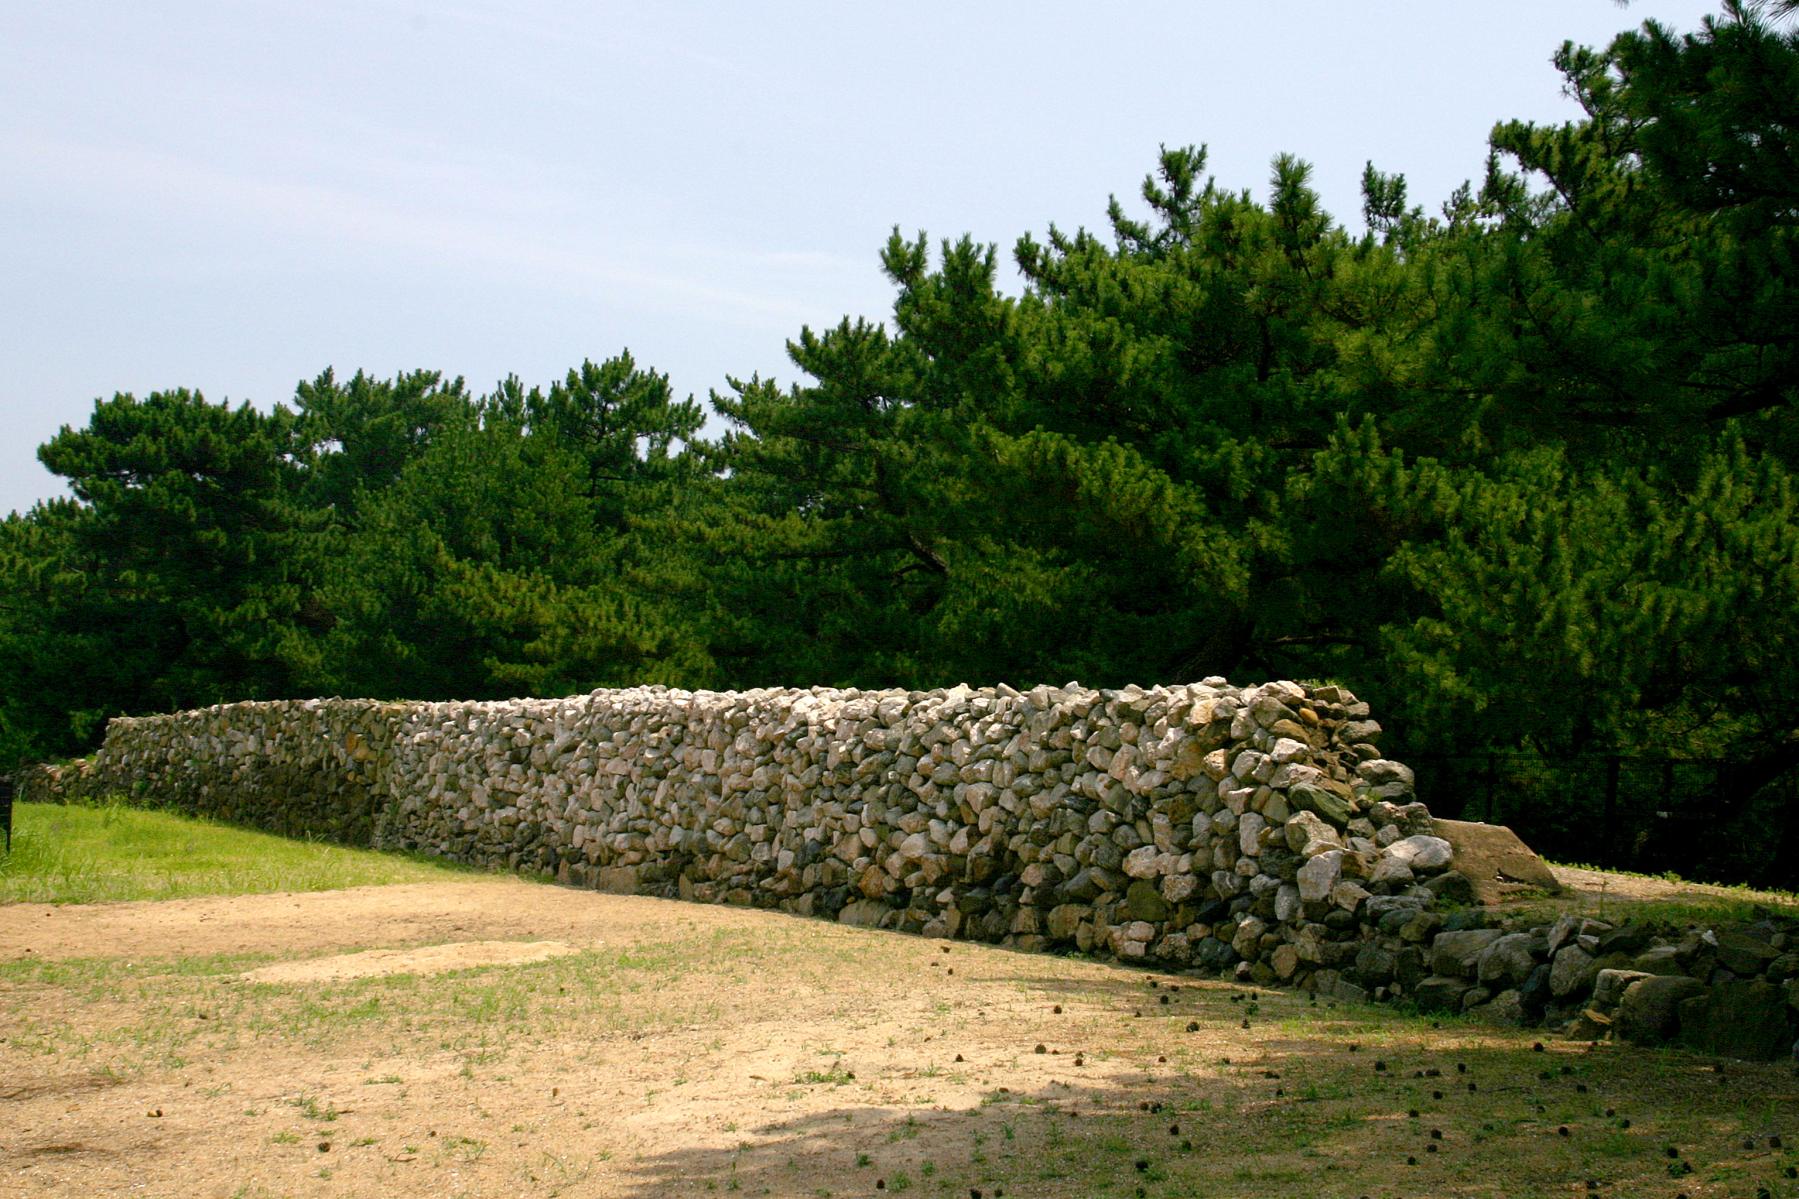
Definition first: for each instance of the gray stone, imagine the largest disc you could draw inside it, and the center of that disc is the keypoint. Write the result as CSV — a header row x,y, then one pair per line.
x,y
1287,750
1456,954
1177,888
1391,871
1438,993
1507,960
1421,928
1248,938
1381,771
1287,903
1348,895
1142,901
1475,996
1249,832
1285,961
1659,959
1649,1011
1506,1008
1630,938
1141,863
1572,972
1064,919
1609,986
1312,797
1744,954
1082,888
863,913
1534,993
1308,835
1452,887
1375,966
1319,875
1422,853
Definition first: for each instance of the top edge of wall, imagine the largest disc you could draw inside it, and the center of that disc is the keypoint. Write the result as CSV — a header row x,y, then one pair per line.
x,y
1043,693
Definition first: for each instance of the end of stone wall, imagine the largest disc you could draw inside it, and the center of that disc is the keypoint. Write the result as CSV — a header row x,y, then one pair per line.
x,y
310,768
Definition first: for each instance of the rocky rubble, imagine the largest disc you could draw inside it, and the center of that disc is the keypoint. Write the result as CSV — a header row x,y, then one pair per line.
x,y
1730,991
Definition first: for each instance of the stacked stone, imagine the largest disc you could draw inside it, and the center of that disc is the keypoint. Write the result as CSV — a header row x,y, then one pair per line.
x,y
298,768
1731,991
1209,825
1254,829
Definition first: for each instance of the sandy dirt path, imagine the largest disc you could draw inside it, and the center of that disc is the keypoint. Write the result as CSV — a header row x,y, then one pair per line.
x,y
492,1037
314,922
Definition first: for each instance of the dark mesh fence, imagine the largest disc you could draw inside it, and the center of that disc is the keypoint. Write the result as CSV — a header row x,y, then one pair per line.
x,y
1647,814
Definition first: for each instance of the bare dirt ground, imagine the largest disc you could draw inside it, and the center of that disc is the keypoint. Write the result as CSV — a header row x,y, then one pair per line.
x,y
496,1037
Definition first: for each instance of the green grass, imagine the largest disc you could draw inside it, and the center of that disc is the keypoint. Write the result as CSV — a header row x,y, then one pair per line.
x,y
1700,903
108,853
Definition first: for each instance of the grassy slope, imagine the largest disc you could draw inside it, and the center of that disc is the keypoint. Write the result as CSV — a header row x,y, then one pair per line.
x,y
106,854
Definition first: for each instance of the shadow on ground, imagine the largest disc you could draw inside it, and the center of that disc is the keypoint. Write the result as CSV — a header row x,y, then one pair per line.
x,y
1182,1098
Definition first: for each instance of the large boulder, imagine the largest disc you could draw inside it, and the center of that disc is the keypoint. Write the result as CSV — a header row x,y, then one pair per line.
x,y
1609,986
1497,864
1572,972
1649,1012
1507,961
1439,993
1457,954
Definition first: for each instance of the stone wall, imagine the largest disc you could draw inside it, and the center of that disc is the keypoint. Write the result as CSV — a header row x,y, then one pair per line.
x,y
1254,829
1251,831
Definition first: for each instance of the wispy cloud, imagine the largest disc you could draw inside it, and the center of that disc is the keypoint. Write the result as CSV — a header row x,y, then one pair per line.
x,y
471,221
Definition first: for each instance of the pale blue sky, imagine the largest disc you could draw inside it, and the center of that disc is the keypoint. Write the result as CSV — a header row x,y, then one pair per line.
x,y
233,195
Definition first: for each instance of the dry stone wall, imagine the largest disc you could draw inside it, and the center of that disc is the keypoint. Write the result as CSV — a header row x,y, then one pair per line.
x,y
1256,829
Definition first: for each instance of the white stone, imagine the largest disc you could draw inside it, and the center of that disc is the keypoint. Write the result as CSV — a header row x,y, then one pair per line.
x,y
1422,852
1179,887
1319,875
1249,832
1288,750
1141,862
1390,869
